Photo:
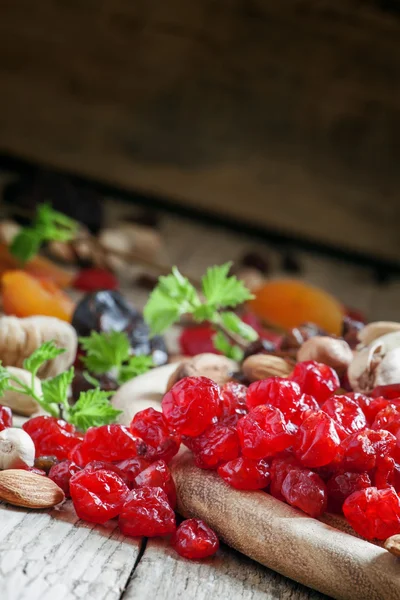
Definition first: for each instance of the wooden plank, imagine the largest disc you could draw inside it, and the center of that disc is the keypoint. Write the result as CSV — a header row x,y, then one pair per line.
x,y
283,114
162,574
47,555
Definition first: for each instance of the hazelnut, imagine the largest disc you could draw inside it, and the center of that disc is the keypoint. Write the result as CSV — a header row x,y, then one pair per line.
x,y
261,366
324,349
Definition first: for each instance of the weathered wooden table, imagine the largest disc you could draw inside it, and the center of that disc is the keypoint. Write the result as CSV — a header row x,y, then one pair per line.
x,y
48,555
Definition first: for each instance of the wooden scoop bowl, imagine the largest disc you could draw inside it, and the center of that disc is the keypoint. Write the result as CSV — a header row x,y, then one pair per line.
x,y
276,535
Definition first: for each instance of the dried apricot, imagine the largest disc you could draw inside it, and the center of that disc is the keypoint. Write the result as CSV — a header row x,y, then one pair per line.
x,y
24,296
288,303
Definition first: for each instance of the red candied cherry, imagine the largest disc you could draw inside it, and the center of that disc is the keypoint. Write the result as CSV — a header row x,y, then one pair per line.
x,y
316,379
5,417
151,426
102,465
360,450
111,443
191,405
342,485
390,391
94,279
277,391
246,474
373,513
369,406
346,413
280,467
78,455
233,402
158,475
317,441
97,495
217,444
51,436
195,540
264,432
306,405
387,473
305,490
147,512
131,467
61,474
388,418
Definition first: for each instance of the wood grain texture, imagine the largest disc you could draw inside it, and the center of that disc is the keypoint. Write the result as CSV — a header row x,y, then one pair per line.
x,y
229,575
284,114
53,555
286,540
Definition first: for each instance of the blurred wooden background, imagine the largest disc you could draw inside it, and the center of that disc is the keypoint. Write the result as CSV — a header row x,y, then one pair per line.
x,y
284,114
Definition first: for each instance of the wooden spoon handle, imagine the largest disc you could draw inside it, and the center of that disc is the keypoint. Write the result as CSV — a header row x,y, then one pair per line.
x,y
286,540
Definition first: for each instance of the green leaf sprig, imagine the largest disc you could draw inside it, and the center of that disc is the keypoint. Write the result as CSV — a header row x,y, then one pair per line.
x,y
92,408
175,296
110,353
48,225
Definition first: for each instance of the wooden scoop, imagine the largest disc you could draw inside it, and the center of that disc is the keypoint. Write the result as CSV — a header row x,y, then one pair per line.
x,y
268,530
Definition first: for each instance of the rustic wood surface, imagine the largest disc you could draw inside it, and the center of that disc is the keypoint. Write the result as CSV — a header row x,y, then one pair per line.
x,y
284,114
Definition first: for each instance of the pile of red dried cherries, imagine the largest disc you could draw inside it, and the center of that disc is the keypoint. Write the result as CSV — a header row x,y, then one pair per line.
x,y
292,438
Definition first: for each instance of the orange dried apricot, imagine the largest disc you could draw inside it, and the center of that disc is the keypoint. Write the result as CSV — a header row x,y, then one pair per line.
x,y
39,266
288,303
24,296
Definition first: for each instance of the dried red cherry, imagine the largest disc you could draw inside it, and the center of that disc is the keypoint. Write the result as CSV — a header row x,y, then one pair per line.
x,y
388,418
346,413
390,391
373,513
147,512
151,426
158,475
316,379
61,474
305,490
51,436
280,467
264,432
277,391
233,402
191,405
5,417
94,279
218,443
131,467
245,474
195,540
317,440
342,485
359,451
97,495
102,465
111,443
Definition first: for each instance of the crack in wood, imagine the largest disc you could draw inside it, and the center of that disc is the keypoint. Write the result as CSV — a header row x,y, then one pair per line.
x,y
142,549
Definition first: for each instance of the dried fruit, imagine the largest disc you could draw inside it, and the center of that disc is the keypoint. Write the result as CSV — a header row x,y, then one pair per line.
x,y
51,436
277,391
218,443
195,540
342,485
317,440
246,474
111,443
346,413
373,513
22,488
147,512
280,467
94,279
191,405
359,451
17,449
264,432
262,366
233,402
316,379
388,418
151,426
305,490
5,417
97,495
131,467
158,475
61,474
102,465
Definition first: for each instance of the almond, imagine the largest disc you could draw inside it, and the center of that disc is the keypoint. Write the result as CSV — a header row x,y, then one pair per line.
x,y
261,366
23,488
392,544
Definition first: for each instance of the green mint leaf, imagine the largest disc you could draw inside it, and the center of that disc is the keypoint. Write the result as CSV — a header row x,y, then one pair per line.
x,y
173,296
4,380
55,390
222,290
92,409
105,351
222,344
45,352
137,365
233,323
25,244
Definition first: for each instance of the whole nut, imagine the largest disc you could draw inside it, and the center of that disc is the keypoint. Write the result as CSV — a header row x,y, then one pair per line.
x,y
17,449
215,367
377,329
261,366
392,544
376,364
327,350
23,488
